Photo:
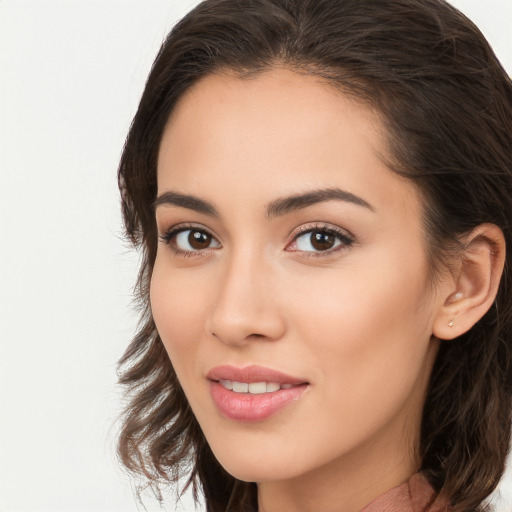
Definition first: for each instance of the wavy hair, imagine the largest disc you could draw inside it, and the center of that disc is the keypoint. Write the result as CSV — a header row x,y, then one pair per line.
x,y
447,105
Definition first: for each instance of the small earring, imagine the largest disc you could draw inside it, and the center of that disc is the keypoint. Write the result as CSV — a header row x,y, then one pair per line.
x,y
450,323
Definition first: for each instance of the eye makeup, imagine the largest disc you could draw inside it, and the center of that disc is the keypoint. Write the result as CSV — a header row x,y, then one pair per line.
x,y
311,240
189,240
319,239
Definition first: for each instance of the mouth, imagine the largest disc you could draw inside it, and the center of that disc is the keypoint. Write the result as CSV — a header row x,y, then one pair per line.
x,y
253,374
253,393
253,388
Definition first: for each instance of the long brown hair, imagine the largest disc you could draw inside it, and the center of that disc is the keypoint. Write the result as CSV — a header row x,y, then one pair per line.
x,y
447,106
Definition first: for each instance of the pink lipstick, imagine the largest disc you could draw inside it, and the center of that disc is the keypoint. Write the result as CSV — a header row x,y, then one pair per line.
x,y
253,393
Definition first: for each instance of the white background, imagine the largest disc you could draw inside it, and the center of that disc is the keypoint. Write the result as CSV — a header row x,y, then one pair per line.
x,y
71,74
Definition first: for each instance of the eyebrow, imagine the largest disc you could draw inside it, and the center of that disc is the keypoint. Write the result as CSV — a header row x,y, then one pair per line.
x,y
296,202
276,208
186,201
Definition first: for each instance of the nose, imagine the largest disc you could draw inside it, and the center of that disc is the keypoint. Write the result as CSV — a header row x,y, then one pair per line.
x,y
246,306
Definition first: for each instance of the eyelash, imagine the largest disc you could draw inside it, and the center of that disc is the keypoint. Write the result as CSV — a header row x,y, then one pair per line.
x,y
170,235
346,240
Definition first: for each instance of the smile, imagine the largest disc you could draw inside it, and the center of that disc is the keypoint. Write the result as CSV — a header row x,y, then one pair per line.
x,y
254,388
253,393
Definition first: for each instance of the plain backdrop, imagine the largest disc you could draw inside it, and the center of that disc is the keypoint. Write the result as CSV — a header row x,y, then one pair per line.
x,y
71,74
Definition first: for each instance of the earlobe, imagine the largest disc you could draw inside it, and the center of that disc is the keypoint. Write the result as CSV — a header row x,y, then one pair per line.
x,y
477,280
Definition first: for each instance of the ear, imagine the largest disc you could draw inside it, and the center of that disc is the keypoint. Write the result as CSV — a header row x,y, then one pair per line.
x,y
476,276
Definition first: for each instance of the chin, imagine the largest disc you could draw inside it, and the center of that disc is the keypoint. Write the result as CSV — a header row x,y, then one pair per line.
x,y
256,471
259,464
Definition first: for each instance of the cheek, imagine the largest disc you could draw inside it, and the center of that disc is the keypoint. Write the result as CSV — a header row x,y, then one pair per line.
x,y
369,334
363,303
177,305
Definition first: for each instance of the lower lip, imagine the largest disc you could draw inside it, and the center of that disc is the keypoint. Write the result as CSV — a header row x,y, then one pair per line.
x,y
248,407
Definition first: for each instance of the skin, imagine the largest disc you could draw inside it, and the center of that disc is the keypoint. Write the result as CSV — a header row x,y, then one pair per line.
x,y
356,322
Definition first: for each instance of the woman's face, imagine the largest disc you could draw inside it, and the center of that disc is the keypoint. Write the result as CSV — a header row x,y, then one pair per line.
x,y
292,261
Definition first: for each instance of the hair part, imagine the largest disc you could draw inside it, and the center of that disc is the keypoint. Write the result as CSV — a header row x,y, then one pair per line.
x,y
446,104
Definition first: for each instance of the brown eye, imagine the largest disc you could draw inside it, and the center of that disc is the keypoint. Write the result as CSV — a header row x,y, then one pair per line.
x,y
322,241
191,240
199,240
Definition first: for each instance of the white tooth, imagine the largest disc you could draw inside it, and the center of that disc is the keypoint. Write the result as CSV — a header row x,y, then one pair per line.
x,y
286,386
256,388
240,387
273,386
226,383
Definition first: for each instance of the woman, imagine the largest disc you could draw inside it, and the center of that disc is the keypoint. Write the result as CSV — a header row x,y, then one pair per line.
x,y
322,193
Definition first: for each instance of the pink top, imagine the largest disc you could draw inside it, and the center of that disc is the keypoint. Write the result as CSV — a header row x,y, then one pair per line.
x,y
416,495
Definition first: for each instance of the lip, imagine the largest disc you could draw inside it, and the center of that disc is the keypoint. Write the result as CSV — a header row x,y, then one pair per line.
x,y
247,407
253,373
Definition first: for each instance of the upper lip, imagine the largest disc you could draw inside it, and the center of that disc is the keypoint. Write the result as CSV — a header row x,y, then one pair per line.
x,y
253,373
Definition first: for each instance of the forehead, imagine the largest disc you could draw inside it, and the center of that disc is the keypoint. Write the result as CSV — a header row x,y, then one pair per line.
x,y
276,133
285,103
